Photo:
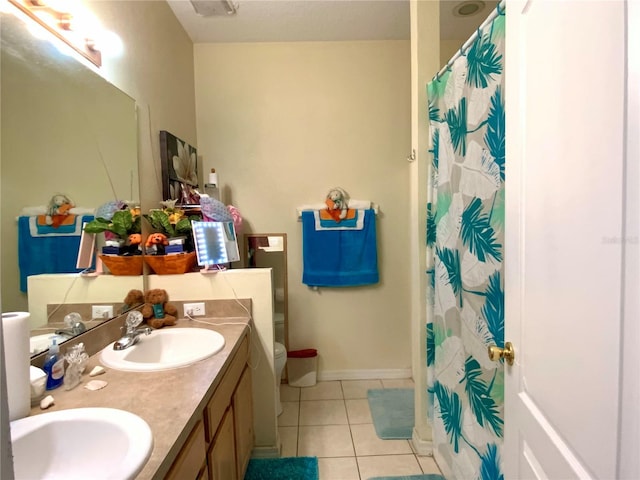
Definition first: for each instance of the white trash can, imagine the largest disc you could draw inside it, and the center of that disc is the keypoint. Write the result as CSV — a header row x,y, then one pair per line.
x,y
302,367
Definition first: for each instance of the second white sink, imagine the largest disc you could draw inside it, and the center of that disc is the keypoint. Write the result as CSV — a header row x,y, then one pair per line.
x,y
81,443
164,350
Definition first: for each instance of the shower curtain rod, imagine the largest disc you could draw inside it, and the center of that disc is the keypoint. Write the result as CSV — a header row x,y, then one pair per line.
x,y
499,10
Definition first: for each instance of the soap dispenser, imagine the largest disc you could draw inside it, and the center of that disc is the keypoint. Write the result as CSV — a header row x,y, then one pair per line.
x,y
54,366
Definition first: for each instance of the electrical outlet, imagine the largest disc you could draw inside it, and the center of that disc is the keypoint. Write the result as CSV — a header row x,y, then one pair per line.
x,y
102,311
194,309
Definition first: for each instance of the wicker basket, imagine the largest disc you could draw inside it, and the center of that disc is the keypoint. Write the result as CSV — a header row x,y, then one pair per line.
x,y
171,264
121,265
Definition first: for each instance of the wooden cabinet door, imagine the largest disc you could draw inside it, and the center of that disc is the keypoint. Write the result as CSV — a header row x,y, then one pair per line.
x,y
222,458
243,419
190,460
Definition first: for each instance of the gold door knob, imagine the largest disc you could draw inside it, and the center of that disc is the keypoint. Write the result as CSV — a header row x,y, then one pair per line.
x,y
508,353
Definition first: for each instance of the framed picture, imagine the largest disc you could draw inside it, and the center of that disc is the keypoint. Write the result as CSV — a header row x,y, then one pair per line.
x,y
179,170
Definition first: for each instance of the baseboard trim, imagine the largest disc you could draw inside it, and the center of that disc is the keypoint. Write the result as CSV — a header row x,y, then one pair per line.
x,y
421,446
442,465
265,452
397,373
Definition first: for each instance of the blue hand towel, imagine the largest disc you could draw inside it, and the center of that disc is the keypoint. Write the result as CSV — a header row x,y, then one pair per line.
x,y
339,258
46,253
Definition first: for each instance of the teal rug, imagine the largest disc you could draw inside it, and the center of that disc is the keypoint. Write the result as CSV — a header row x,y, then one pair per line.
x,y
430,476
287,468
392,412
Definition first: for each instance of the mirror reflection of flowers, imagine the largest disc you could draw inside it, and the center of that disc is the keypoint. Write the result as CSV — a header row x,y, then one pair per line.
x,y
121,224
172,230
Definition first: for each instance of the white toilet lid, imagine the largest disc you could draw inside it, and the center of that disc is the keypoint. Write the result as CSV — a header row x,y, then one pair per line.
x,y
279,349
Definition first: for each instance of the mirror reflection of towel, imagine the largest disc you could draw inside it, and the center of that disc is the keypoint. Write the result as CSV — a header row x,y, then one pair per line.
x,y
60,224
339,257
45,249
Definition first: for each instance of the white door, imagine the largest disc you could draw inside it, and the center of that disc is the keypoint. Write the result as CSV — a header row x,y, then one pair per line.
x,y
565,244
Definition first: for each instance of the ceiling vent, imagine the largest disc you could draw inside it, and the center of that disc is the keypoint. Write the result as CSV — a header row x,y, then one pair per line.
x,y
211,8
468,8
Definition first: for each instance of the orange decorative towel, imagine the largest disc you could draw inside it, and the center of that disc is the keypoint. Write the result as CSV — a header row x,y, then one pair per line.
x,y
57,220
335,215
333,212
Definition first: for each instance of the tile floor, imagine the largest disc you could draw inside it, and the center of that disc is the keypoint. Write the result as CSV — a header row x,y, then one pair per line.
x,y
332,421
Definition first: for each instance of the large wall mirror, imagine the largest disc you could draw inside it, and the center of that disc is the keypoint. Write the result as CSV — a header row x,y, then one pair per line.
x,y
64,129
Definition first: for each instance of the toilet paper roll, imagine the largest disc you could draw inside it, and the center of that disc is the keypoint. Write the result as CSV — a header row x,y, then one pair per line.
x,y
15,333
213,179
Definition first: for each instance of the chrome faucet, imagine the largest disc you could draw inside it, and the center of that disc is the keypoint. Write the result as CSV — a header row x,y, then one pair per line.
x,y
74,324
130,337
131,334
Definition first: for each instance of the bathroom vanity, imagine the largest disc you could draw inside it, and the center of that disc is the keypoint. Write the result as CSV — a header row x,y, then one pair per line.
x,y
219,445
201,415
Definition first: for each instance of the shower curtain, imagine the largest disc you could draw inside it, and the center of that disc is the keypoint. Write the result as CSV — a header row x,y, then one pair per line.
x,y
465,255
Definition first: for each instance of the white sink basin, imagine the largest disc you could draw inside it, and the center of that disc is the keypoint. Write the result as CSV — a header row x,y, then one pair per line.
x,y
40,343
164,349
80,443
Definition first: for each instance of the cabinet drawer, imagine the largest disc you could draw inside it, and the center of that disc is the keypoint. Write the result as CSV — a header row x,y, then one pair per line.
x,y
189,462
221,399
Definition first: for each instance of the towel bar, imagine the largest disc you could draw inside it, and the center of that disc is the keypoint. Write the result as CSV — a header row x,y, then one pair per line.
x,y
322,206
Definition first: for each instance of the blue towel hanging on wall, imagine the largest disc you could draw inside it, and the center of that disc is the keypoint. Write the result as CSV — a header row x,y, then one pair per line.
x,y
340,258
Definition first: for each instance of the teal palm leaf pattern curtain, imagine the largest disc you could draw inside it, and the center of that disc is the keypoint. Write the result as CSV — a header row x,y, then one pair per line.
x,y
465,255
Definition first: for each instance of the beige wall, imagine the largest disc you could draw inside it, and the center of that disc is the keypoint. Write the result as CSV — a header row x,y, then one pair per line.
x,y
283,123
448,48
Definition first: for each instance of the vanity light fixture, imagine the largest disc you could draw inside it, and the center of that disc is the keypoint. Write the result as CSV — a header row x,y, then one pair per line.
x,y
60,24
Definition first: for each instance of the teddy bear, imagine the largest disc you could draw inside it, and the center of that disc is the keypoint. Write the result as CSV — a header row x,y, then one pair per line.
x,y
157,311
133,299
337,203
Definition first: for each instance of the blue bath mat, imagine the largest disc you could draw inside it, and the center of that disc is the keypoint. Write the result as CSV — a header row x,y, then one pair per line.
x,y
287,468
392,412
430,476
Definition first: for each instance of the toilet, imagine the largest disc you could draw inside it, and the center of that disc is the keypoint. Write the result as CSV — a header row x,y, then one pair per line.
x,y
280,361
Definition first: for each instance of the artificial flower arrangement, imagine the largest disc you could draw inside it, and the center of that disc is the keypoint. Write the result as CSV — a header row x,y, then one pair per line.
x,y
121,225
172,230
169,248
